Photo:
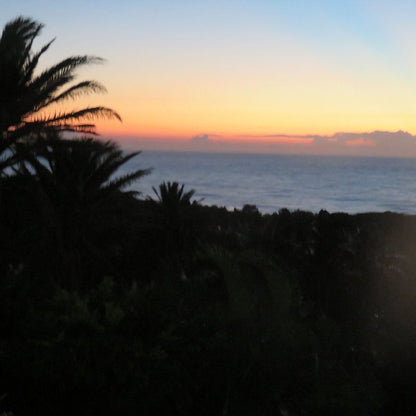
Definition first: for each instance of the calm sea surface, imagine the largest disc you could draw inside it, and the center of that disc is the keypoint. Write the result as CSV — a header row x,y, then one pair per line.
x,y
271,182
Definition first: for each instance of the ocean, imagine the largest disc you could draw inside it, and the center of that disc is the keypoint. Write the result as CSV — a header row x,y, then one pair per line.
x,y
272,182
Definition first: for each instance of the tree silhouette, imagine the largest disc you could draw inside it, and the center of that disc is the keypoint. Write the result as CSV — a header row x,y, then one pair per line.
x,y
27,95
172,196
78,199
80,171
175,214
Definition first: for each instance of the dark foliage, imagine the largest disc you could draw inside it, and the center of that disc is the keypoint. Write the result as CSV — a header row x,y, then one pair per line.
x,y
185,309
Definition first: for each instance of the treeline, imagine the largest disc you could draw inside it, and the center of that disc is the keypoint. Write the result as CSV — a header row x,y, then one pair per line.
x,y
116,304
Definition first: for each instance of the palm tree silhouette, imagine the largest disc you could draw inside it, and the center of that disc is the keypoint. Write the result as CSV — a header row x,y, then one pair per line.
x,y
172,196
78,197
26,95
176,217
80,171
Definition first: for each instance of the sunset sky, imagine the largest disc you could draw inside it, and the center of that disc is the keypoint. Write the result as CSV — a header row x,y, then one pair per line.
x,y
281,76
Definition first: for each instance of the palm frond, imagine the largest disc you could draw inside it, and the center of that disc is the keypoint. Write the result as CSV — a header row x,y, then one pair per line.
x,y
110,159
123,181
21,29
82,88
89,113
30,66
171,194
64,68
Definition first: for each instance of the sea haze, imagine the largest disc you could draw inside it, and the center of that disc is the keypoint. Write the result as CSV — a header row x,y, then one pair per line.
x,y
272,182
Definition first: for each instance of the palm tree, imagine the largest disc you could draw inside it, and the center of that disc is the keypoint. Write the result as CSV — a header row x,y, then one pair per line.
x,y
77,199
176,216
80,171
172,196
27,95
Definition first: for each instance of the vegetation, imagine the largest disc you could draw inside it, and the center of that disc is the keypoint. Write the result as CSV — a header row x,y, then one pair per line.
x,y
112,304
29,98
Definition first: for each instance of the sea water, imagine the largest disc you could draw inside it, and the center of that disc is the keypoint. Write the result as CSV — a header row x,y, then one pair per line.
x,y
272,182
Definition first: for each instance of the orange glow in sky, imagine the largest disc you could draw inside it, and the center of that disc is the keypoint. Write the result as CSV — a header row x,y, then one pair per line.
x,y
176,70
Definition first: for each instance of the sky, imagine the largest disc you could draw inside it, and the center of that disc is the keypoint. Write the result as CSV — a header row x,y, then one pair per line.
x,y
281,76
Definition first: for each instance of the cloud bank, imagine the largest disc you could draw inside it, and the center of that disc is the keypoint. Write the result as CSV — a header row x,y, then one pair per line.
x,y
375,143
373,138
